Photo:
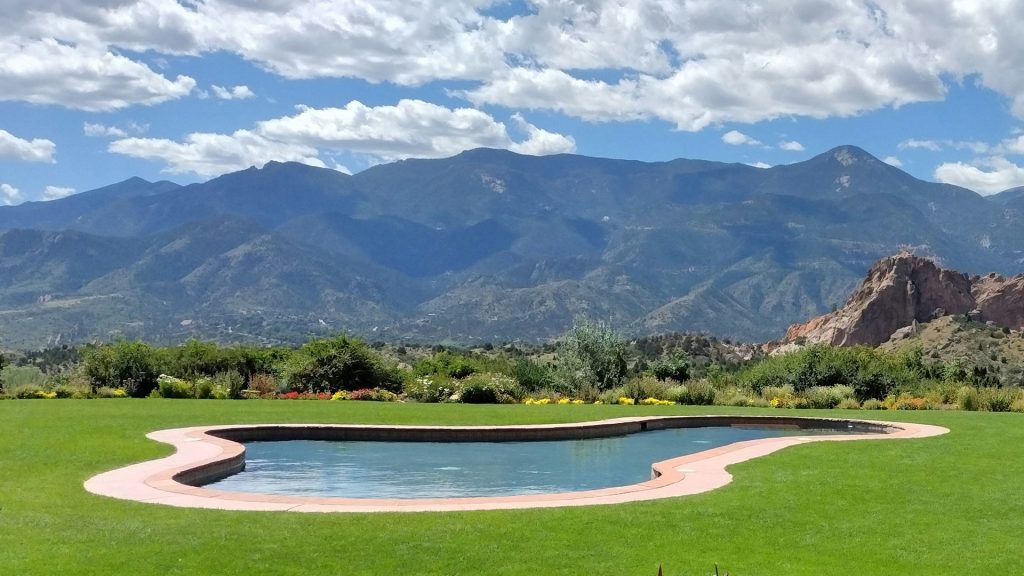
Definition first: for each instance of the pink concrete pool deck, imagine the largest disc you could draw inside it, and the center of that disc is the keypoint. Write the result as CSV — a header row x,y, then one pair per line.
x,y
201,455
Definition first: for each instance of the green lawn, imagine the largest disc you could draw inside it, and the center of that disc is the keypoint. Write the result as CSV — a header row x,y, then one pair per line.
x,y
947,505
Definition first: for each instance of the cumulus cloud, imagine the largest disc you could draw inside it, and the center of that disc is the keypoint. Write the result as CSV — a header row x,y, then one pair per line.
x,y
689,63
57,192
411,128
214,154
9,195
35,150
235,93
737,138
893,161
986,176
791,146
82,77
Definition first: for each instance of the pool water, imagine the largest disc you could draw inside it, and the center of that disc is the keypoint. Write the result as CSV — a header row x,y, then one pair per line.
x,y
465,469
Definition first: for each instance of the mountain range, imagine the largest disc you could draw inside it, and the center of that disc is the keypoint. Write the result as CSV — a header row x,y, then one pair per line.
x,y
487,245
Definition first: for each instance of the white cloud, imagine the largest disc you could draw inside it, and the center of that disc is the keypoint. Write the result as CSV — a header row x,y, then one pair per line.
x,y
215,154
737,138
893,161
791,146
692,64
97,130
762,165
9,195
101,131
913,144
986,176
56,192
1013,145
540,142
235,93
411,128
35,150
81,77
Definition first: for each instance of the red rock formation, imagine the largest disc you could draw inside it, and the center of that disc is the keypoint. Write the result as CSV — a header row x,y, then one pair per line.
x,y
902,289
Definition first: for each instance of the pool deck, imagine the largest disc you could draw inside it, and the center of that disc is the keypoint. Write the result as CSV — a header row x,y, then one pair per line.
x,y
205,453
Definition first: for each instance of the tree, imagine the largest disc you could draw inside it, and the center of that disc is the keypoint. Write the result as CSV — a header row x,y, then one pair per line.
x,y
341,363
590,354
127,365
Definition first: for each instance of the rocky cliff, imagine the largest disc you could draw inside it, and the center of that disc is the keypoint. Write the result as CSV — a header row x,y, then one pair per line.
x,y
904,289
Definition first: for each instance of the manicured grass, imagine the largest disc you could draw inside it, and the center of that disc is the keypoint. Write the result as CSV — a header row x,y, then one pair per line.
x,y
946,505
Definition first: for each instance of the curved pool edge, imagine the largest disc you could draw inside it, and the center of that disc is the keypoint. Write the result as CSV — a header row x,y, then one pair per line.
x,y
206,453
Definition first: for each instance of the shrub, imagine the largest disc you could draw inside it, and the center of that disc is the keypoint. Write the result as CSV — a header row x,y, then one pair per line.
x,y
488,388
826,397
373,395
446,364
16,376
532,375
849,404
967,398
123,364
107,392
997,399
429,389
261,386
731,396
590,354
171,387
645,387
675,368
677,393
910,402
27,392
699,393
228,384
873,404
341,363
78,391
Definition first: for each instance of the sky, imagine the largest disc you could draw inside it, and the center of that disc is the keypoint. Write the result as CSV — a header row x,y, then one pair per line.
x,y
93,92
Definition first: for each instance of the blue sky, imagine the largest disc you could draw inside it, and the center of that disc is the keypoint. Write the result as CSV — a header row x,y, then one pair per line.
x,y
96,91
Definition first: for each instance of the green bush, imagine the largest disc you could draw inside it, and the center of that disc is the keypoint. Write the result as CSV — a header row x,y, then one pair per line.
x,y
675,368
488,388
429,389
128,365
532,375
228,384
698,393
373,395
341,363
849,404
872,404
997,399
590,354
642,387
968,398
17,376
826,397
171,387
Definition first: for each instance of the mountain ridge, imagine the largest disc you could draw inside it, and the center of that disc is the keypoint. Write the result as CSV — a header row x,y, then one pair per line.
x,y
489,245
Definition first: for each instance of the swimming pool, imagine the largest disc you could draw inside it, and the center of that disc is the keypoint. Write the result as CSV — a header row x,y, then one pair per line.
x,y
205,455
364,469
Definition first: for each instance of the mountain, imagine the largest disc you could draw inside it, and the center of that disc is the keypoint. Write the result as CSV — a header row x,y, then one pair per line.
x,y
485,245
902,291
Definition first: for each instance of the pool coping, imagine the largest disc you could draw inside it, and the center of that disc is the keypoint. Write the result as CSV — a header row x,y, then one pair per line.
x,y
207,453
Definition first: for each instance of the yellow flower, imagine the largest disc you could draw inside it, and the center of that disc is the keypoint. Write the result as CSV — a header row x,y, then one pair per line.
x,y
543,401
577,401
626,401
563,400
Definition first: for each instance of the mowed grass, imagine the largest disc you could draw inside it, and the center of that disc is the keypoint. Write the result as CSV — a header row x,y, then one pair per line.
x,y
947,505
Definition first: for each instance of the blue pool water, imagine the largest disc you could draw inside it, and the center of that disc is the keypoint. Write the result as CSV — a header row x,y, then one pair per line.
x,y
462,469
